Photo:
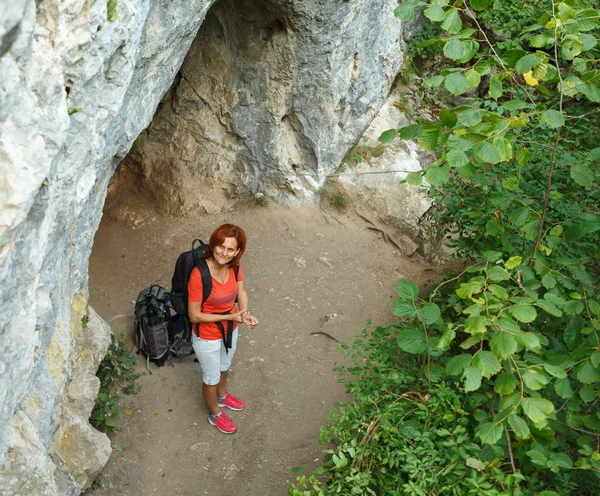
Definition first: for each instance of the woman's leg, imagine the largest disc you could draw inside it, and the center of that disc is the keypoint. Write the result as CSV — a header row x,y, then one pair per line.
x,y
210,397
226,358
208,353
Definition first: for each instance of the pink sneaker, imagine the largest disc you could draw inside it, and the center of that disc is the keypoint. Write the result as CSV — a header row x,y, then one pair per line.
x,y
223,423
232,402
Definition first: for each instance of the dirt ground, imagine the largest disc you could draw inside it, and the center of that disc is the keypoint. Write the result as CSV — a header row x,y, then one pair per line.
x,y
306,271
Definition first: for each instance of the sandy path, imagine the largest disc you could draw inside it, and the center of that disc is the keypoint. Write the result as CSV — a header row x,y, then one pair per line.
x,y
304,272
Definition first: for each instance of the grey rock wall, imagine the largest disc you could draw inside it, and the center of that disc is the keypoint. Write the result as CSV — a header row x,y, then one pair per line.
x,y
75,91
269,99
55,58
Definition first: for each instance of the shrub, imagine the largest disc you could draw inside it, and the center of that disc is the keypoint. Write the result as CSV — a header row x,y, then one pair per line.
x,y
117,374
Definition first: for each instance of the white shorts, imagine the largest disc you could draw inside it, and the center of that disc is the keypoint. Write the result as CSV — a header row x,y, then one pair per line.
x,y
212,357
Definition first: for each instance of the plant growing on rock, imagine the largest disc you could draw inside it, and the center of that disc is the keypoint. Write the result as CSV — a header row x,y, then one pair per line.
x,y
117,374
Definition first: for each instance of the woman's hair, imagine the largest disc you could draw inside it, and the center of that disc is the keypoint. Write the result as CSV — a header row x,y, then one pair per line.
x,y
227,231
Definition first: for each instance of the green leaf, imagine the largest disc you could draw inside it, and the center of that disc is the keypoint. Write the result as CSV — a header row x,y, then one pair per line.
x,y
519,216
563,388
514,105
492,227
504,147
513,262
522,156
466,172
471,49
412,340
527,63
448,117
414,178
404,309
549,281
405,11
429,313
529,341
498,274
490,432
533,379
487,363
540,40
587,373
495,88
438,175
467,289
511,57
429,137
457,158
523,313
456,84
471,117
555,371
537,409
503,344
510,183
407,290
485,152
472,378
537,458
560,460
457,364
587,394
435,13
480,4
505,383
582,175
519,427
447,338
498,291
434,81
554,118
587,19
595,358
473,78
454,49
388,136
410,132
565,12
549,308
452,23
475,324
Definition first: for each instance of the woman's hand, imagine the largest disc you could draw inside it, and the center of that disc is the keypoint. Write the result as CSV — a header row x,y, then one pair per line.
x,y
250,320
238,316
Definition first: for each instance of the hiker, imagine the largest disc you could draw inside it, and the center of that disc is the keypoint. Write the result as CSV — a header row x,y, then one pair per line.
x,y
216,320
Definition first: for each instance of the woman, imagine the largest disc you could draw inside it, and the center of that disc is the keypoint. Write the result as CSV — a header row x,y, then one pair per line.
x,y
215,321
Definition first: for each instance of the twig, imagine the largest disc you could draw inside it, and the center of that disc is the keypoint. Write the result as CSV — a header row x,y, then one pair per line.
x,y
324,334
595,434
510,452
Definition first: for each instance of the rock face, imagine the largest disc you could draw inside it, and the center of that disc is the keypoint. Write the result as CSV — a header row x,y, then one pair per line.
x,y
268,100
282,90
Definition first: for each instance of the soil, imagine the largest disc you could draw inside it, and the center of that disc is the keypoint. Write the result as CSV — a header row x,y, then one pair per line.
x,y
313,279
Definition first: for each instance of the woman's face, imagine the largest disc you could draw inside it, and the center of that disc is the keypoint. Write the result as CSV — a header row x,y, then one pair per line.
x,y
225,252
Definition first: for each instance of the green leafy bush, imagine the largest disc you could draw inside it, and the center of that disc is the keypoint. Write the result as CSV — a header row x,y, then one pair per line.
x,y
117,374
514,339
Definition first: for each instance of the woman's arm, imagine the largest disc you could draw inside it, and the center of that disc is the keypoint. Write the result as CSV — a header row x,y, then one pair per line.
x,y
247,318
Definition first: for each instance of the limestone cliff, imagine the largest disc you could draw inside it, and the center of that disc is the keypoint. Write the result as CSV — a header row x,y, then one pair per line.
x,y
271,95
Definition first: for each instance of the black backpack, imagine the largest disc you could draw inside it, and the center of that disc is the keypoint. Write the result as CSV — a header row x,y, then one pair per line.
x,y
180,324
152,316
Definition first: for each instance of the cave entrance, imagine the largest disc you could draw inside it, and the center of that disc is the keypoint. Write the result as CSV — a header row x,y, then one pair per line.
x,y
225,129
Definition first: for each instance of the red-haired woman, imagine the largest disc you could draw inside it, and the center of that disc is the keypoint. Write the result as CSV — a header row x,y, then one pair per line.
x,y
215,321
